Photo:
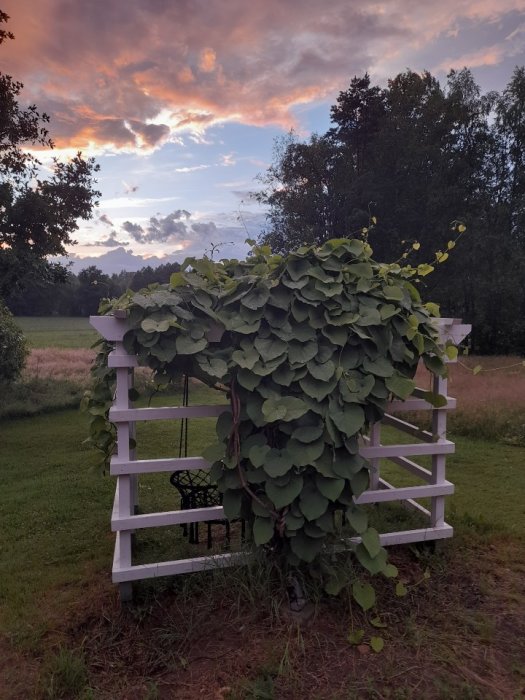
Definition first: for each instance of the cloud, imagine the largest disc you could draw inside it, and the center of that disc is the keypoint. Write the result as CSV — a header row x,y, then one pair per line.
x,y
132,75
129,189
134,202
160,229
188,231
134,230
104,218
115,261
242,194
207,60
110,242
228,159
191,169
511,45
204,229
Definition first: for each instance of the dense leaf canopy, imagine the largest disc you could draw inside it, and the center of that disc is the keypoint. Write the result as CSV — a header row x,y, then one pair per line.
x,y
309,347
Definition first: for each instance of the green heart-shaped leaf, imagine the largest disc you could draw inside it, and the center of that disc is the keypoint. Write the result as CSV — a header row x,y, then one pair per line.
x,y
364,595
187,346
277,463
312,504
329,488
377,644
370,539
400,386
306,548
350,419
263,530
258,454
282,496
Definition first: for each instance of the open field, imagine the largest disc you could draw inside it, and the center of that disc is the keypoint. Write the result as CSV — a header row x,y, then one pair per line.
x,y
57,331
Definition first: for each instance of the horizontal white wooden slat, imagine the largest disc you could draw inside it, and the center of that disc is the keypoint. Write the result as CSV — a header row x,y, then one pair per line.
x,y
186,566
395,453
412,467
441,447
171,517
152,466
111,327
119,360
418,404
212,411
394,493
426,534
123,415
409,503
408,428
180,566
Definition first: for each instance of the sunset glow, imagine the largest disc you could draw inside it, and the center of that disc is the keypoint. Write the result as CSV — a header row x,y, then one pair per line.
x,y
182,101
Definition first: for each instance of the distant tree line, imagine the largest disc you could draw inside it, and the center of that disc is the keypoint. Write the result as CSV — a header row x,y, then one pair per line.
x,y
80,295
418,155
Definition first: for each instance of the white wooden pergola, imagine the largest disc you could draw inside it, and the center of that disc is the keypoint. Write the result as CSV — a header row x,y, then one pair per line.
x,y
126,468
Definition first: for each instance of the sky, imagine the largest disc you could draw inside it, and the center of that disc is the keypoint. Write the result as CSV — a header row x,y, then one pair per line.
x,y
180,101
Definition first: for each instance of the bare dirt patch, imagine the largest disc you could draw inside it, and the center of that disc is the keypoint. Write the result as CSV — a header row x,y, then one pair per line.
x,y
460,634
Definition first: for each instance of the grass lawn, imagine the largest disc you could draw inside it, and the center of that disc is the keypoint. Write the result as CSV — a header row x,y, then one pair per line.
x,y
227,635
57,331
60,618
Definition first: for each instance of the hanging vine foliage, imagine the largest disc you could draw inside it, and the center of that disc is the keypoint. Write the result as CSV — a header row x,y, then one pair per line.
x,y
310,348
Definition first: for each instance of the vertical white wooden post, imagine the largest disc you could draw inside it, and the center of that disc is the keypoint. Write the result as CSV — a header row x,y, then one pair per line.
x,y
439,433
375,441
133,451
124,481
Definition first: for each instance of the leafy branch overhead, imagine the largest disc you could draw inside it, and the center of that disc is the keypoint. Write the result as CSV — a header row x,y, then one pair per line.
x,y
310,348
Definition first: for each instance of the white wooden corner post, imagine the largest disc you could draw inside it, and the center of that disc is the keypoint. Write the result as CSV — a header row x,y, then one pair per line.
x,y
124,465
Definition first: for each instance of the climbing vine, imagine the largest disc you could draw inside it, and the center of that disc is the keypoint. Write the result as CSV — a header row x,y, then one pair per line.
x,y
309,348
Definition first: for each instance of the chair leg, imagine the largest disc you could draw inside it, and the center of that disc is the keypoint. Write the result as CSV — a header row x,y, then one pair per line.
x,y
209,536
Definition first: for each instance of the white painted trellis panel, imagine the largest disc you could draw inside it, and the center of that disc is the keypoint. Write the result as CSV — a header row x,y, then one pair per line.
x,y
125,466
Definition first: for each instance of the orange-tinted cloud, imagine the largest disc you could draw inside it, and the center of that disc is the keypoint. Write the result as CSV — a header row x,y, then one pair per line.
x,y
207,62
131,74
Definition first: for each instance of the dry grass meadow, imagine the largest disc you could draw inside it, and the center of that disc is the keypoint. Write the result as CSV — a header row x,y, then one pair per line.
x,y
71,364
491,404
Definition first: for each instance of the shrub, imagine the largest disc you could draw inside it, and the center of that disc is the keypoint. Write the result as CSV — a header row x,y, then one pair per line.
x,y
13,347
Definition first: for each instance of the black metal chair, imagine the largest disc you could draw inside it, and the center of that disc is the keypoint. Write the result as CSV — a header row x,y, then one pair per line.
x,y
196,491
195,488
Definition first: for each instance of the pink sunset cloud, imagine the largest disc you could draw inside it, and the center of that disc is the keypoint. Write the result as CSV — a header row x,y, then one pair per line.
x,y
132,74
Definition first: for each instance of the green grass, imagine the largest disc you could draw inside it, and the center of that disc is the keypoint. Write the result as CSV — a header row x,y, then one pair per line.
x,y
64,675
54,524
34,396
57,331
57,549
54,519
488,476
